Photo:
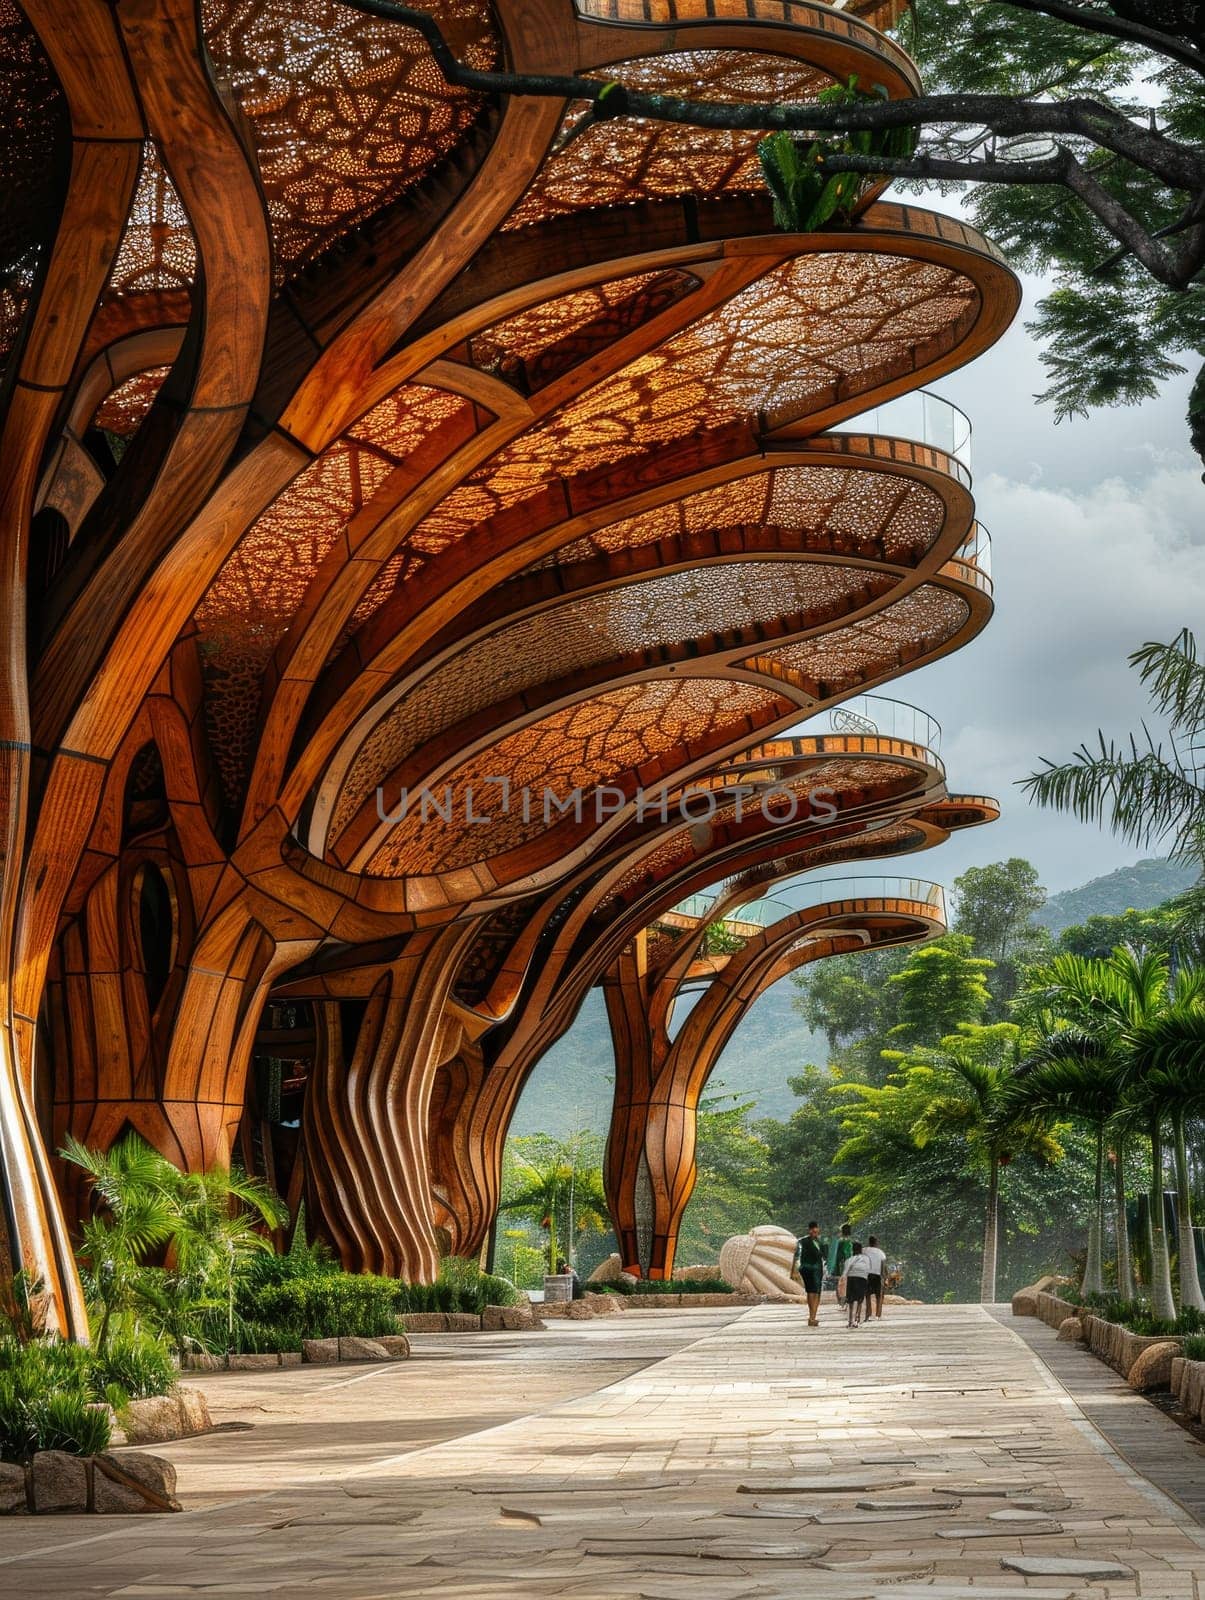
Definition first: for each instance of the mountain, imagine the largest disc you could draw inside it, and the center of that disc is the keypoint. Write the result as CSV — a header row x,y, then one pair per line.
x,y
571,1087
1136,888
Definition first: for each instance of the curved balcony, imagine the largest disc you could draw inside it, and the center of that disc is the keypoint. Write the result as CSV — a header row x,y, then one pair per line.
x,y
973,562
923,417
794,896
877,716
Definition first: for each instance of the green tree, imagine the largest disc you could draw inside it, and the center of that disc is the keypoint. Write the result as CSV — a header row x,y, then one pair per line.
x,y
209,1223
1137,930
995,906
941,985
800,1152
1115,1004
1080,125
558,1184
731,1162
849,999
1073,1074
968,1080
956,1093
132,1217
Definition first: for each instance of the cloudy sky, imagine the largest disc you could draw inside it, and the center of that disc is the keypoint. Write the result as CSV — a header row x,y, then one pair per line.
x,y
1097,530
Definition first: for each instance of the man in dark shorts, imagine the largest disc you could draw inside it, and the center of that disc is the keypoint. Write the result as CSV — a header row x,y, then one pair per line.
x,y
812,1261
874,1278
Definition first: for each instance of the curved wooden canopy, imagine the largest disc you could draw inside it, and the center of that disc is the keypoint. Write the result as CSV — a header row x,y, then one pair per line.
x,y
358,431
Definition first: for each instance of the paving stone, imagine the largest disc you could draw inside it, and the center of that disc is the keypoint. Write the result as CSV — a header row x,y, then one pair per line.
x,y
1017,1514
1063,1567
918,1504
998,1532
828,1485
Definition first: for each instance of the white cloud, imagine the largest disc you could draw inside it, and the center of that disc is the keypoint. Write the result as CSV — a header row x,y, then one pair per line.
x,y
1082,578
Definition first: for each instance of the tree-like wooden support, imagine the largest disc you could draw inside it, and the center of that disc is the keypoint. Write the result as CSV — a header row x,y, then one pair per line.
x,y
660,1073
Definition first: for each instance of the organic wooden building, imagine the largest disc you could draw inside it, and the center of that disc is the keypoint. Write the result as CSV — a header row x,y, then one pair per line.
x,y
361,435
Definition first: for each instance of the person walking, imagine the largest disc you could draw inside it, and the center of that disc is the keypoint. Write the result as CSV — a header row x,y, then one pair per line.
x,y
874,1278
857,1270
812,1257
840,1252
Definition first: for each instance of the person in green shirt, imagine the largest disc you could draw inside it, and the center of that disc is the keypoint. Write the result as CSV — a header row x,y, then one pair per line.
x,y
812,1258
842,1249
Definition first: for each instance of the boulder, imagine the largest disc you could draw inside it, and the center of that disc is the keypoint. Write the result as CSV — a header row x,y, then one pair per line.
x,y
1071,1331
131,1483
627,1280
512,1319
320,1351
1025,1302
604,1305
760,1262
59,1482
395,1345
151,1421
463,1322
204,1363
607,1271
697,1274
13,1497
194,1412
579,1311
1152,1369
425,1321
355,1349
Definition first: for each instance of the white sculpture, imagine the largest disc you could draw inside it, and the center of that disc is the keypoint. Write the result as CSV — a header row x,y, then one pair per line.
x,y
760,1262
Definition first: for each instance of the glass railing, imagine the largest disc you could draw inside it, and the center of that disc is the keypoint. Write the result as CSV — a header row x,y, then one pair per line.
x,y
877,716
920,416
976,552
798,894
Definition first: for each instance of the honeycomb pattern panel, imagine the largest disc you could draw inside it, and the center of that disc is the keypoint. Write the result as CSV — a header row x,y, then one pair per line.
x,y
843,510
532,348
629,160
611,736
347,111
632,621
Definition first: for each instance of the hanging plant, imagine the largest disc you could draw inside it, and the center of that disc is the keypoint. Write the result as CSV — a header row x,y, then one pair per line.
x,y
805,194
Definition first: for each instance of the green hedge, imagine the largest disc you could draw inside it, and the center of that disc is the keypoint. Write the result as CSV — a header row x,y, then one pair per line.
x,y
326,1307
1136,1315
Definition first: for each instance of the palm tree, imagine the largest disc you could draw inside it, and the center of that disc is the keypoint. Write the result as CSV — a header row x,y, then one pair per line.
x,y
208,1222
1143,791
132,1216
971,1095
1114,1003
219,1216
1071,1073
546,1184
1173,1087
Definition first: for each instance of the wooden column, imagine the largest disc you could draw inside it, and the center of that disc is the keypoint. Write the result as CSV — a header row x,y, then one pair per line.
x,y
367,1111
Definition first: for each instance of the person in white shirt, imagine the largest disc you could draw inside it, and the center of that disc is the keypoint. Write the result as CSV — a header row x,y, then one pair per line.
x,y
874,1278
857,1270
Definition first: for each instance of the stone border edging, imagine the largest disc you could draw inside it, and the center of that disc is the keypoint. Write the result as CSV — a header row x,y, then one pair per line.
x,y
55,1482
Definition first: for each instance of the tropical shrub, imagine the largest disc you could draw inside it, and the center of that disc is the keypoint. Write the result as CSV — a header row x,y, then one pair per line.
x,y
1194,1347
47,1400
137,1364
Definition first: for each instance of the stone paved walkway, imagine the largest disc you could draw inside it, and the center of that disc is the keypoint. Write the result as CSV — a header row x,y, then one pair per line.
x,y
930,1455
